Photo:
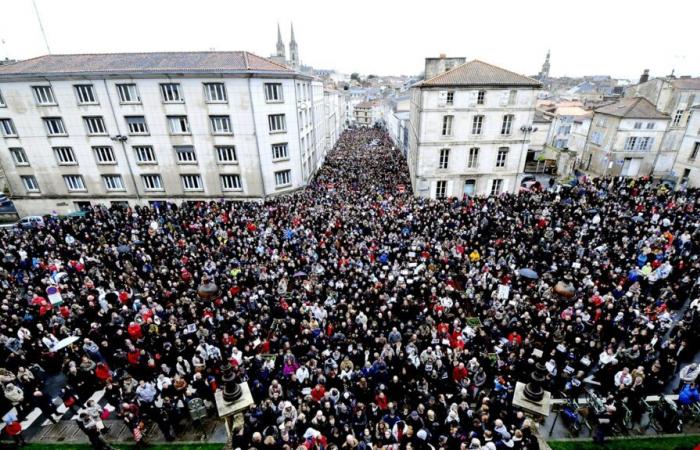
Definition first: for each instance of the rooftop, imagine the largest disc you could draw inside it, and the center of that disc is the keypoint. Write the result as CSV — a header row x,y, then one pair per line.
x,y
479,73
686,83
143,63
632,108
366,104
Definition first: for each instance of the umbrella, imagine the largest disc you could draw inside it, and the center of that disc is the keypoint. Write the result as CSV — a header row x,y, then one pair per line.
x,y
528,273
565,289
63,343
638,219
123,248
299,274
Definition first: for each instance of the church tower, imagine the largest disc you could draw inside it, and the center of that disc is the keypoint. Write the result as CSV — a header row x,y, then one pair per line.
x,y
544,73
293,50
281,53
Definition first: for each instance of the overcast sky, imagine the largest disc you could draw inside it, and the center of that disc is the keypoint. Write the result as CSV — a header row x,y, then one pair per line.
x,y
616,37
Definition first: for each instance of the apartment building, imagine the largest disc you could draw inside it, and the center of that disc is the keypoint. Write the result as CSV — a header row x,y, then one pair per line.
x,y
625,138
136,128
470,130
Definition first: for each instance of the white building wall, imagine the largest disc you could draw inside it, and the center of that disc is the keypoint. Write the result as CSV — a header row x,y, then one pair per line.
x,y
687,164
246,106
463,110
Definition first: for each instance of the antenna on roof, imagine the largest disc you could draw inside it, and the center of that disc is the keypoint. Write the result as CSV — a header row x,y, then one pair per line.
x,y
41,26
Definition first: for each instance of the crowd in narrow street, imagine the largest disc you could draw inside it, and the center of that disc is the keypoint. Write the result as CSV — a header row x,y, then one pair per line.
x,y
360,316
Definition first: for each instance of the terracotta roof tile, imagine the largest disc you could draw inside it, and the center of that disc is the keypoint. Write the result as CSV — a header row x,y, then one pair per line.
x,y
138,63
632,108
479,73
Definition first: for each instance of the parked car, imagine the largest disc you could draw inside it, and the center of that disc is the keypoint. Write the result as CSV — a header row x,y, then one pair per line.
x,y
31,222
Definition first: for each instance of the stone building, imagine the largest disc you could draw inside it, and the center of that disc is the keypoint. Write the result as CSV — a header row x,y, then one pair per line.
x,y
146,127
625,139
470,130
687,163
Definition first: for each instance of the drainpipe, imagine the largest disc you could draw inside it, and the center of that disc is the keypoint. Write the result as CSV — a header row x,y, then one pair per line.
x,y
121,139
257,143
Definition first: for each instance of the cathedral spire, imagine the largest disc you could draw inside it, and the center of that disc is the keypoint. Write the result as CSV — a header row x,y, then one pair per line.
x,y
280,45
293,50
544,73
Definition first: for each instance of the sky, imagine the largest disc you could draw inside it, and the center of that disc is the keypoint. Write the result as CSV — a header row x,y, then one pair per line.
x,y
383,37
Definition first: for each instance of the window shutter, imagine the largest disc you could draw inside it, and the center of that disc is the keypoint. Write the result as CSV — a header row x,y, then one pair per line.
x,y
505,185
504,97
473,97
442,98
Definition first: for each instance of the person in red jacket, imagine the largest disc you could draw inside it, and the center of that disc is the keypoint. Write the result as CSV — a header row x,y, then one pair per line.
x,y
14,430
382,401
459,373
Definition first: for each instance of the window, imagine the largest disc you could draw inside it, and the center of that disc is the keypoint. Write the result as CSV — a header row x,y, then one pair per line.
x,y
564,129
192,182
444,158
512,95
226,154
171,93
8,128
502,157
178,125
507,125
231,183
74,182
2,101
283,178
677,118
601,121
650,125
215,92
144,154
638,125
597,138
280,151
277,123
136,124
104,155
473,158
496,186
86,94
113,182
95,125
44,95
477,124
152,182
185,154
441,189
273,92
641,144
481,98
65,156
450,98
128,93
19,156
447,125
54,126
694,152
220,124
30,183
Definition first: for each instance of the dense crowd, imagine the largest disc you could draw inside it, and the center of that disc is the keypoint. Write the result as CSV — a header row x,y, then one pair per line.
x,y
360,317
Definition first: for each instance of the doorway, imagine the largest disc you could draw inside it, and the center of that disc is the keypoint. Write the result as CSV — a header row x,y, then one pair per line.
x,y
469,188
631,166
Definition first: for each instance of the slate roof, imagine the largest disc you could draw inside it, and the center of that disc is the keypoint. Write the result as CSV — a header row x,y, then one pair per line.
x,y
632,108
143,63
686,83
479,73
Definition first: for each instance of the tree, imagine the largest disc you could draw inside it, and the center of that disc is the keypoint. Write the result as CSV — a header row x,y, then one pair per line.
x,y
355,76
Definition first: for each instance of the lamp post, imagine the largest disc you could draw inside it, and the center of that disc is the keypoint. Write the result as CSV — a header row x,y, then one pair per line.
x,y
525,129
122,139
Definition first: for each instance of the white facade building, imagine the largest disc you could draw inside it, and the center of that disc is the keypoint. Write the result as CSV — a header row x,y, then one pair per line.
x,y
624,139
470,131
687,164
147,127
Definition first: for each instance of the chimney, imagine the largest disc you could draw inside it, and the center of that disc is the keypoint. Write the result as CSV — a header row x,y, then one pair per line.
x,y
443,55
436,66
645,76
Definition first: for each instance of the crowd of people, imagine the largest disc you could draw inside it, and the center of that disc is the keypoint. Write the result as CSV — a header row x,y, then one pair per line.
x,y
360,316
